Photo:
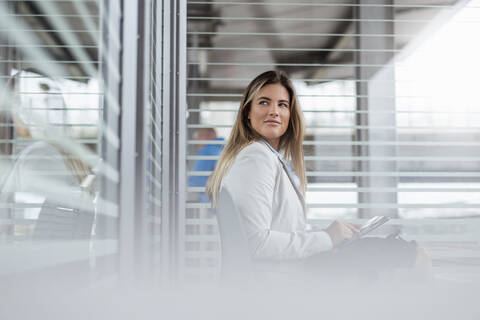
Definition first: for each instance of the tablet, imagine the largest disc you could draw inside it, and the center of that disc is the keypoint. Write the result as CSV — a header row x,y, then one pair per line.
x,y
367,227
371,225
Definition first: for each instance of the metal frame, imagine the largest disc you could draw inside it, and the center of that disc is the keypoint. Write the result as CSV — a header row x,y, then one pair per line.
x,y
129,21
143,234
155,211
135,237
132,161
111,27
371,96
165,143
174,138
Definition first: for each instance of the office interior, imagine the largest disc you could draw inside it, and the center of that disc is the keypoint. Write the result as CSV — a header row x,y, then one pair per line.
x,y
101,99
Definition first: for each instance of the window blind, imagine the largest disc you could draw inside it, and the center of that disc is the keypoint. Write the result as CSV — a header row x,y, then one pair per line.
x,y
388,94
58,145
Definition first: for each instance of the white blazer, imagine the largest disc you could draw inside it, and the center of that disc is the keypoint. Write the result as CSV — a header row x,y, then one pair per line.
x,y
272,210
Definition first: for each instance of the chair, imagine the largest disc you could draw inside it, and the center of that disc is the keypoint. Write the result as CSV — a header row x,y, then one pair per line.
x,y
237,264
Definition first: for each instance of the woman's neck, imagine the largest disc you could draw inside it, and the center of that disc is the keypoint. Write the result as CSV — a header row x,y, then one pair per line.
x,y
273,143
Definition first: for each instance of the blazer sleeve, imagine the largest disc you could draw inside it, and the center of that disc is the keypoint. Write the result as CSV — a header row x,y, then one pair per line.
x,y
251,181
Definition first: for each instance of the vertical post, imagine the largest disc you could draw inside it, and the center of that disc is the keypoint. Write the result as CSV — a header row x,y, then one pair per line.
x,y
181,128
143,218
105,226
174,142
375,118
162,94
7,132
154,121
133,217
166,133
6,84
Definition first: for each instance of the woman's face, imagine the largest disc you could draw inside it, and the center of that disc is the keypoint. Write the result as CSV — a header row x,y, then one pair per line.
x,y
270,113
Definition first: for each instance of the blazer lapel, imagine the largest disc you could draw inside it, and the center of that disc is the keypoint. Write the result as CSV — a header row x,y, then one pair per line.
x,y
299,194
292,181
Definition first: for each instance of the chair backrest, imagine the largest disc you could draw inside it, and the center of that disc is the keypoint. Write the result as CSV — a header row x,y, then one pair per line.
x,y
237,264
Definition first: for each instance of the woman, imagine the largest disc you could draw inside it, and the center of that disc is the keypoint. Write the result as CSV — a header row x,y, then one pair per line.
x,y
46,174
255,168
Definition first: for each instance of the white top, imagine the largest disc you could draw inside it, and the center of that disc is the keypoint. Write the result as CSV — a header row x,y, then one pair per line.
x,y
272,210
40,172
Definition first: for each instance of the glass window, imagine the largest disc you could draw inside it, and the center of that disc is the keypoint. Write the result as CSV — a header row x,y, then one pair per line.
x,y
388,94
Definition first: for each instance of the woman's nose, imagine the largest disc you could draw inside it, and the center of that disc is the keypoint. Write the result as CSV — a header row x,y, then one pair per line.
x,y
273,110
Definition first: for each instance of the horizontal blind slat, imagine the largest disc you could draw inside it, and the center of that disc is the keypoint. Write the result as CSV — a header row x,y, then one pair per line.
x,y
472,127
383,189
326,4
399,111
359,143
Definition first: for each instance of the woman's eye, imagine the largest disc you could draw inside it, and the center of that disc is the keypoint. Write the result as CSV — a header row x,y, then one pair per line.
x,y
283,105
263,102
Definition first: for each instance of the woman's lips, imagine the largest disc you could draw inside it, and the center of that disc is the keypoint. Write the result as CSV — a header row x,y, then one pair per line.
x,y
273,122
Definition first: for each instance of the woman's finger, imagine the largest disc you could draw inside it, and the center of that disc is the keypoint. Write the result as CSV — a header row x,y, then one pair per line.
x,y
347,232
352,227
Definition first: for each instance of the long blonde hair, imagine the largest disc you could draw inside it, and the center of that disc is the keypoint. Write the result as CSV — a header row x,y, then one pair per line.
x,y
243,134
79,168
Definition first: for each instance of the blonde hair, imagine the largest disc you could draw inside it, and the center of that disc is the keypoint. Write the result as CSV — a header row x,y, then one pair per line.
x,y
79,169
243,134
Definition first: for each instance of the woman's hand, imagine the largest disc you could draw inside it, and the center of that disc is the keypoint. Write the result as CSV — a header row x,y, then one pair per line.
x,y
341,231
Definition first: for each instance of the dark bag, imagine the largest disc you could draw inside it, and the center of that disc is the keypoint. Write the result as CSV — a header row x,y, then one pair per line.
x,y
370,254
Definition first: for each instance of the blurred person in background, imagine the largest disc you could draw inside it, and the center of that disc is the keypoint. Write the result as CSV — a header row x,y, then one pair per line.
x,y
45,172
205,164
